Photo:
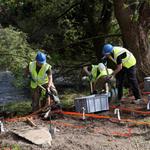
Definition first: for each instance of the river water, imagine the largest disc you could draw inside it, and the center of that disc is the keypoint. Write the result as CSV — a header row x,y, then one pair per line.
x,y
8,93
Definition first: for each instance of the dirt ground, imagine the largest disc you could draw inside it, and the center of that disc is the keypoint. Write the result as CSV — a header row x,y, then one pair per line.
x,y
89,134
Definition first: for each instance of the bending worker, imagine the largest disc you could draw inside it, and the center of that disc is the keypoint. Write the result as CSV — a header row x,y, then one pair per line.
x,y
40,72
102,79
126,64
93,72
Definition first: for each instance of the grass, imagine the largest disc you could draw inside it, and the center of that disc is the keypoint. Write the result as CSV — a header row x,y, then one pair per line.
x,y
23,108
10,147
66,100
125,91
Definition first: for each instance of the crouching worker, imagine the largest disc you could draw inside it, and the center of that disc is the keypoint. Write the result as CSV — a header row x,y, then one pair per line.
x,y
102,81
41,73
92,72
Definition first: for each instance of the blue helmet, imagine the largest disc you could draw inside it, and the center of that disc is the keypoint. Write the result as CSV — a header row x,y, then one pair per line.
x,y
107,49
41,58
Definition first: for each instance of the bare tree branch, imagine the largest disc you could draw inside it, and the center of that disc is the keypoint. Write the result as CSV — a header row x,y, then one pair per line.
x,y
110,1
88,39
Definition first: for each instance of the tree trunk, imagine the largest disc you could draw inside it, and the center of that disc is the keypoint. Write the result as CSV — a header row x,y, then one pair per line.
x,y
100,26
135,33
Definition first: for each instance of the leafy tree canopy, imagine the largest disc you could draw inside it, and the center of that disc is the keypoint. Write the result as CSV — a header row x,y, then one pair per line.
x,y
15,52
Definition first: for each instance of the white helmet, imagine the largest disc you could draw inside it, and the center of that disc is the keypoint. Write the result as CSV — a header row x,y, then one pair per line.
x,y
101,66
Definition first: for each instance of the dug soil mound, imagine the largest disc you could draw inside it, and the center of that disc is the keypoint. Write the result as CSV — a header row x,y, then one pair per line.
x,y
92,133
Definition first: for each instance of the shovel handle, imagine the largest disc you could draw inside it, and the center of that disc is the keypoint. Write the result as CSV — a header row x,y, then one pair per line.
x,y
91,87
40,86
37,84
42,109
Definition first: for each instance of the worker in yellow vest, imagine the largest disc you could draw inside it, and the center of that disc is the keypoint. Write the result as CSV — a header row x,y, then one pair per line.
x,y
41,73
102,79
126,64
93,72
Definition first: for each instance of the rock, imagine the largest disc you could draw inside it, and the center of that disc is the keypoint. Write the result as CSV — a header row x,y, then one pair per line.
x,y
37,135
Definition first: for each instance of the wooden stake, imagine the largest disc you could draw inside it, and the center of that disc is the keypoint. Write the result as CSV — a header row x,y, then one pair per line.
x,y
31,122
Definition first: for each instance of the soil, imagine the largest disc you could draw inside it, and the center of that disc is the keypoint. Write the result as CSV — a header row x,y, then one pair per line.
x,y
93,133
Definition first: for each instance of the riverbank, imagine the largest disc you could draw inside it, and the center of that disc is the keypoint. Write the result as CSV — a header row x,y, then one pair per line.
x,y
94,133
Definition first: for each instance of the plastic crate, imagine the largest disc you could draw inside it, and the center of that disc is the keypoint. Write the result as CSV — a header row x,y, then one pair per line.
x,y
147,84
92,103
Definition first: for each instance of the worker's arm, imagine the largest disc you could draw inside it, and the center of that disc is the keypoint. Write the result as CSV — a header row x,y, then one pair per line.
x,y
50,78
106,87
28,73
119,62
27,70
86,70
119,67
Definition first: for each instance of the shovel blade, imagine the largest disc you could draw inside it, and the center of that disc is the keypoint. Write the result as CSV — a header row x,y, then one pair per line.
x,y
56,99
58,107
114,96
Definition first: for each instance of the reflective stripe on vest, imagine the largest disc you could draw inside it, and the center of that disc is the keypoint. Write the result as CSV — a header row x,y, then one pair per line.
x,y
93,72
127,62
104,72
41,77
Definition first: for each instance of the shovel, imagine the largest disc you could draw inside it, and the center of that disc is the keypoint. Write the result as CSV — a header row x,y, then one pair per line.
x,y
114,91
91,88
56,99
34,113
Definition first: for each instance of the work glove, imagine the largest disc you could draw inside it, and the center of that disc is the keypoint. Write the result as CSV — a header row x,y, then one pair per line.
x,y
48,90
110,76
94,92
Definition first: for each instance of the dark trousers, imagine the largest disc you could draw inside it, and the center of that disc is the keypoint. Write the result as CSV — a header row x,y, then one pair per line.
x,y
131,75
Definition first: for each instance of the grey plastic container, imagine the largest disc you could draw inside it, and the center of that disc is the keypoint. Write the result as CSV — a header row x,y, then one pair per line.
x,y
147,84
92,103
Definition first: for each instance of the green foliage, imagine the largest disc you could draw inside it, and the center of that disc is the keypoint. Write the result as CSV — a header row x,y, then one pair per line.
x,y
22,108
67,103
15,52
125,6
58,26
125,91
13,146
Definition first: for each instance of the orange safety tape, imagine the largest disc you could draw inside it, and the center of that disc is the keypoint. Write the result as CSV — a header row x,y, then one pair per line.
x,y
143,99
141,83
23,117
88,115
96,116
145,92
84,127
143,112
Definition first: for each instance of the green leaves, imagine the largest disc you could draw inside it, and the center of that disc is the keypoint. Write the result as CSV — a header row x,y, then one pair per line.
x,y
15,52
125,6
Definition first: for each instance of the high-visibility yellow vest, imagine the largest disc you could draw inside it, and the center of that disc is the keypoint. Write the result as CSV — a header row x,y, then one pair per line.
x,y
40,77
93,72
43,94
127,62
104,72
